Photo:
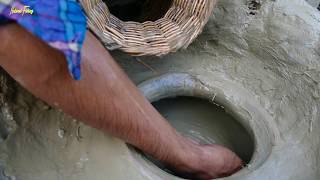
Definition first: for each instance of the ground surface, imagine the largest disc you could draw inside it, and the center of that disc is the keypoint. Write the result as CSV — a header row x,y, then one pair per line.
x,y
271,48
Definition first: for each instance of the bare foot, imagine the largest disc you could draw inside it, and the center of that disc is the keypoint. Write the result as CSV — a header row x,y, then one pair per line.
x,y
205,161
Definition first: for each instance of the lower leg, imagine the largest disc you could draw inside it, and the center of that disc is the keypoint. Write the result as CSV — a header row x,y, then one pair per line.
x,y
106,99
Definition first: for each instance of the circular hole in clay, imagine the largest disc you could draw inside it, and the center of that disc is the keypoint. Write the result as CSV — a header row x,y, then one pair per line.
x,y
243,124
138,10
206,123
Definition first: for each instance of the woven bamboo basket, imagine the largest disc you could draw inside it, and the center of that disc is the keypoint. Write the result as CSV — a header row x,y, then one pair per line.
x,y
180,25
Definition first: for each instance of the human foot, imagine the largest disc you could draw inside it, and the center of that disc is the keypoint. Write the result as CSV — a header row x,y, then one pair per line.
x,y
205,161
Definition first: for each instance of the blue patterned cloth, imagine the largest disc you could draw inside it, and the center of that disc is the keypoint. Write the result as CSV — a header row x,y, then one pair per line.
x,y
60,23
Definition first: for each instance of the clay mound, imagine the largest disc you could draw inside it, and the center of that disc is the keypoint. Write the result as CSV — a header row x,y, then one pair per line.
x,y
181,24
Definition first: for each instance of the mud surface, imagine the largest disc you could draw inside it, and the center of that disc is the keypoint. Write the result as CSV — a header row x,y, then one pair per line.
x,y
206,123
314,3
269,48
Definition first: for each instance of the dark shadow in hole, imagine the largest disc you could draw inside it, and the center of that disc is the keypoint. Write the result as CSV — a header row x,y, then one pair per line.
x,y
138,10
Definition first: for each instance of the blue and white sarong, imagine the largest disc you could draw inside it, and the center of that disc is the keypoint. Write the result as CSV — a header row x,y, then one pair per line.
x,y
60,23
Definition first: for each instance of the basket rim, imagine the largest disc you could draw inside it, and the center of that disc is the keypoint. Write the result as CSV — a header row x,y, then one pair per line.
x,y
180,25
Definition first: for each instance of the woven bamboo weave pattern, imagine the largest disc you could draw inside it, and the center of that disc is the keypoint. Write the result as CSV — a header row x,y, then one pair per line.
x,y
181,24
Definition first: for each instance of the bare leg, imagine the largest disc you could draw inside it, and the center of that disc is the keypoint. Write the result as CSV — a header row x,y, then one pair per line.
x,y
106,99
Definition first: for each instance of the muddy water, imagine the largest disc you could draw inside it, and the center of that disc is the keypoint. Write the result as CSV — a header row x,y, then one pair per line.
x,y
206,123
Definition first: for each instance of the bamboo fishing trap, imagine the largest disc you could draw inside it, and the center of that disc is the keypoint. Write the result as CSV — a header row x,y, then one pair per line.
x,y
180,24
